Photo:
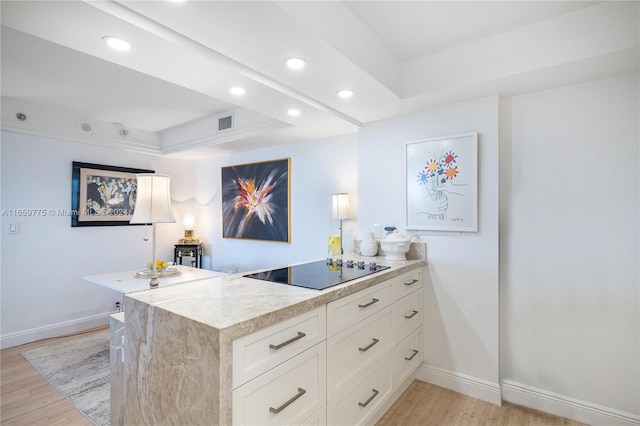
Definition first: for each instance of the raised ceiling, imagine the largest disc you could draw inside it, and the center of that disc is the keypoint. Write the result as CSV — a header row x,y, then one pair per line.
x,y
398,57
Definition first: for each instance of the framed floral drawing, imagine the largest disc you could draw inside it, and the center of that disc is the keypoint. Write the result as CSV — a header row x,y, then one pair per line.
x,y
442,184
102,195
256,201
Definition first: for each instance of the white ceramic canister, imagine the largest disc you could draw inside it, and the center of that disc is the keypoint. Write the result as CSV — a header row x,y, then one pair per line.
x,y
368,245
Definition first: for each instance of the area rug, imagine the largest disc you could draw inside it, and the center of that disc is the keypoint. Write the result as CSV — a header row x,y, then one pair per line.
x,y
79,370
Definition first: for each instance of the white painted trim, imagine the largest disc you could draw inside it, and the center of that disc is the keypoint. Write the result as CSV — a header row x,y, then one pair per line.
x,y
564,406
462,383
55,330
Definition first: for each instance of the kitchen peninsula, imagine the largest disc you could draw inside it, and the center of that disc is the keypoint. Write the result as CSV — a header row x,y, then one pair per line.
x,y
227,349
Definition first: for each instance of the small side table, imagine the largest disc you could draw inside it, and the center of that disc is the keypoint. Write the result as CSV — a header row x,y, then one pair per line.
x,y
188,250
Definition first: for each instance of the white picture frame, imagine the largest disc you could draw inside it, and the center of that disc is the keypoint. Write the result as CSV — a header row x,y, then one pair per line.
x,y
441,184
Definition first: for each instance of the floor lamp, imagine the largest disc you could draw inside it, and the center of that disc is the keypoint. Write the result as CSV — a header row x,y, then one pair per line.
x,y
153,205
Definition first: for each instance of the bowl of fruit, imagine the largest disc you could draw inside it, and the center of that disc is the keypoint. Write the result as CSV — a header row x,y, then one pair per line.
x,y
160,265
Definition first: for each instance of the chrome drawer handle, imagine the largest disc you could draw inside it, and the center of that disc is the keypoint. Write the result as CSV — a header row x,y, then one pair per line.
x,y
412,356
412,315
293,339
369,304
370,346
412,282
364,404
289,402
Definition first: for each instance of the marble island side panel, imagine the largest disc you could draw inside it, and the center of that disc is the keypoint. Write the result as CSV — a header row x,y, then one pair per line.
x,y
178,343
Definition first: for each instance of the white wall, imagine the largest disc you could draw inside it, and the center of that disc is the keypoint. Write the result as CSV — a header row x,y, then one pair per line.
x,y
318,169
569,245
43,293
461,324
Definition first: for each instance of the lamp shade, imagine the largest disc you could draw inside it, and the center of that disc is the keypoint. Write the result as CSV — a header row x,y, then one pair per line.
x,y
340,206
153,199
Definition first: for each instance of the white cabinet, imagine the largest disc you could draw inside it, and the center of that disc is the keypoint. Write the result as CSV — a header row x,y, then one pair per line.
x,y
408,315
258,352
407,356
285,395
279,372
360,401
340,364
372,353
349,310
357,348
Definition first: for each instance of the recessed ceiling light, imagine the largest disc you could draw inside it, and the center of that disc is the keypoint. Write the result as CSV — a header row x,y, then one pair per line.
x,y
293,112
345,93
239,91
117,43
296,63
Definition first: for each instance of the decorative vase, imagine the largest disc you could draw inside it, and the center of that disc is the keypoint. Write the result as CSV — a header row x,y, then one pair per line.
x,y
369,245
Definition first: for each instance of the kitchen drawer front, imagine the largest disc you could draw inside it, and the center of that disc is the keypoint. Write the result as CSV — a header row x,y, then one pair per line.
x,y
407,356
407,315
406,283
347,311
357,403
319,418
288,394
262,350
356,349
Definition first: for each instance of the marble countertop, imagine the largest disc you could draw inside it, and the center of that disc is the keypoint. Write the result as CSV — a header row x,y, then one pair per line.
x,y
237,305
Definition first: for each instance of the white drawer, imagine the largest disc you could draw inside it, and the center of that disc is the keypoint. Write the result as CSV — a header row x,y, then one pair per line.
x,y
357,403
356,349
406,283
319,418
347,311
407,315
407,356
288,394
262,350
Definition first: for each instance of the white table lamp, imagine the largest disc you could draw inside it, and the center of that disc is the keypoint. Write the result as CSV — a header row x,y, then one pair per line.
x,y
153,205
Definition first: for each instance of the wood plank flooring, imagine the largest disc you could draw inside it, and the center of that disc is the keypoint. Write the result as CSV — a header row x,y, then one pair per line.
x,y
27,399
424,404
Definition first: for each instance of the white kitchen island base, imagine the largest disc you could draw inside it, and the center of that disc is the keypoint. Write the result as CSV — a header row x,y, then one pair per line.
x,y
180,357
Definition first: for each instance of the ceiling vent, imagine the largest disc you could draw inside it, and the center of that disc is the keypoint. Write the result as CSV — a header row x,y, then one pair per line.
x,y
225,123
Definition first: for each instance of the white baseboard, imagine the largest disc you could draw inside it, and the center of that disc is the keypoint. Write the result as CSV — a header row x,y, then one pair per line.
x,y
462,383
55,330
563,406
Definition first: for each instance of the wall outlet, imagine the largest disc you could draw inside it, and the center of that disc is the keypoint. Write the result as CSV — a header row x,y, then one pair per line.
x,y
117,305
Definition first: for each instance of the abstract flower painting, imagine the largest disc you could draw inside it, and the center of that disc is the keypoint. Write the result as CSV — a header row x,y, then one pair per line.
x,y
441,184
256,200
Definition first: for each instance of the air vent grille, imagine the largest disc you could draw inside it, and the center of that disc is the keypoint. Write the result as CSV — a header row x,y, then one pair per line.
x,y
225,123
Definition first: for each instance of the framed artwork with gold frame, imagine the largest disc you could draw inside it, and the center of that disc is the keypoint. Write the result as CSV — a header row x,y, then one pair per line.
x,y
256,201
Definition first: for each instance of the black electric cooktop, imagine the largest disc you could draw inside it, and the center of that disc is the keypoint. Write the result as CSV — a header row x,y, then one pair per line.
x,y
318,275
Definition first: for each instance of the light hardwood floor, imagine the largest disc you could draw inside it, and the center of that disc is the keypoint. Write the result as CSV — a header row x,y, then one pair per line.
x,y
425,404
28,399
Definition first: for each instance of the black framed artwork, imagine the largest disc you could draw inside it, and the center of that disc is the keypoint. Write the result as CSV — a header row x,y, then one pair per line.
x,y
102,195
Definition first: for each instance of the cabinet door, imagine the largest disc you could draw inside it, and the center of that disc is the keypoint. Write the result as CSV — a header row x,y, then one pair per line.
x,y
407,357
347,311
288,394
407,315
406,283
262,350
357,348
364,396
